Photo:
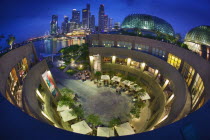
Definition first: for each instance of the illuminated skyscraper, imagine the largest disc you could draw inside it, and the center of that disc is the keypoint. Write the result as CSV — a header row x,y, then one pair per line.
x,y
75,16
54,25
86,17
64,26
110,24
106,21
92,23
101,19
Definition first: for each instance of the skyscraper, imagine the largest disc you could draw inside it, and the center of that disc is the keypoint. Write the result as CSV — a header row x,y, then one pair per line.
x,y
86,17
75,16
54,25
101,18
106,21
110,24
92,23
64,26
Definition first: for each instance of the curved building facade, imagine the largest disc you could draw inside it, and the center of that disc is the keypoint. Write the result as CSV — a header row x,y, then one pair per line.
x,y
162,58
176,79
148,22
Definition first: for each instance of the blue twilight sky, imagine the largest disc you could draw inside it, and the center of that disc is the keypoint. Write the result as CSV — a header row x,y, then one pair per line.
x,y
31,18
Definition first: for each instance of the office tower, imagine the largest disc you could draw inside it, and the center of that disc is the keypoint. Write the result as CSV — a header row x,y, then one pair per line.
x,y
86,17
101,18
110,24
75,16
116,26
106,19
64,26
92,23
54,25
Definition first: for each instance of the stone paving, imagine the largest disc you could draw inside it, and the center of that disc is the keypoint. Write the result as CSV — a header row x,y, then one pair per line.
x,y
103,101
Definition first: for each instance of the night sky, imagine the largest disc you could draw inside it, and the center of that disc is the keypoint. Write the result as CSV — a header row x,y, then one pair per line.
x,y
31,18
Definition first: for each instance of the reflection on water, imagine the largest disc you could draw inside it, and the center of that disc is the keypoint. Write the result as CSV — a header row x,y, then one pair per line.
x,y
52,46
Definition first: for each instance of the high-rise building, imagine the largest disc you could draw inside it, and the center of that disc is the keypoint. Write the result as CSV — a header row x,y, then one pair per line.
x,y
101,18
64,26
116,26
110,24
92,23
54,25
86,17
106,21
75,16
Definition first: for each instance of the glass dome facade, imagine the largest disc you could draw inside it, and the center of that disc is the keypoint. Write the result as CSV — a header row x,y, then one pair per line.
x,y
148,22
199,35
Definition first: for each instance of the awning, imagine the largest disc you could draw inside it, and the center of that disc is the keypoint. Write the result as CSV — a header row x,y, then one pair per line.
x,y
116,78
145,96
67,115
62,108
124,129
105,77
81,127
105,132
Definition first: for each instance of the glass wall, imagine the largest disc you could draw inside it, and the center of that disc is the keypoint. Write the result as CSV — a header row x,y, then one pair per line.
x,y
124,44
197,90
174,61
121,61
108,43
141,47
188,73
107,59
158,52
95,43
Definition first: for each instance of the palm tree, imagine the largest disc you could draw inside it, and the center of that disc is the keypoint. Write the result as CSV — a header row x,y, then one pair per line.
x,y
10,40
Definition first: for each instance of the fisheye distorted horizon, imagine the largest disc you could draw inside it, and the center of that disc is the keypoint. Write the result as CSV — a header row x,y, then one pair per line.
x,y
29,18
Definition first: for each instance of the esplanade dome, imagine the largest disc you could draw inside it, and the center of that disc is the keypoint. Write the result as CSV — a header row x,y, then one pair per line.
x,y
148,22
199,35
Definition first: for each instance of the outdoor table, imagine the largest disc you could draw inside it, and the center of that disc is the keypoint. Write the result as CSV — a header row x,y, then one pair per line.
x,y
105,132
67,115
62,108
145,96
124,129
81,127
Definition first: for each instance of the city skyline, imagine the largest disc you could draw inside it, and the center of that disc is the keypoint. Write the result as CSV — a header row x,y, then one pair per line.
x,y
180,14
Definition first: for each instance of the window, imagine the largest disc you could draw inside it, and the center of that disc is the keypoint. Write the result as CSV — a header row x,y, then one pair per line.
x,y
108,43
188,73
107,60
197,90
142,48
124,44
158,52
95,43
174,61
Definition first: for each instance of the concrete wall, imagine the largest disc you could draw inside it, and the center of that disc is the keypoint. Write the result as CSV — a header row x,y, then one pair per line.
x,y
31,83
181,101
10,60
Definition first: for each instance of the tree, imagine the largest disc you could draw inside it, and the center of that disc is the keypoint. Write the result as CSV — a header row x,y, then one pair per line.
x,y
114,122
98,75
184,46
94,120
78,111
10,40
66,100
65,91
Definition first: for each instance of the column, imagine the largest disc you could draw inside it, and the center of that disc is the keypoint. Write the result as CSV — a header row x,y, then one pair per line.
x,y
113,59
